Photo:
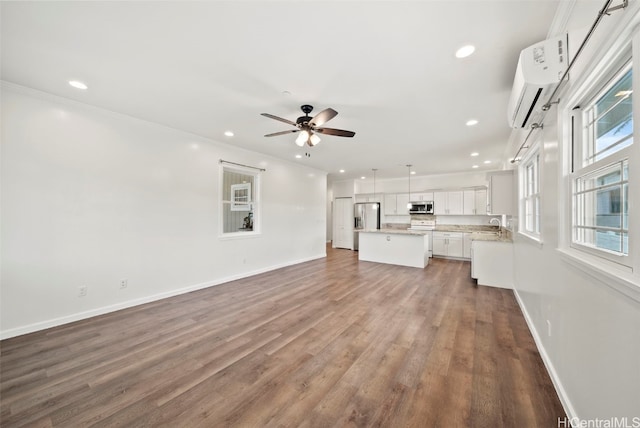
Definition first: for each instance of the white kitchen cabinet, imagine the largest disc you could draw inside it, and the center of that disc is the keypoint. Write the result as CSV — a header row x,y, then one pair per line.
x,y
492,263
501,193
439,203
481,202
466,245
448,203
368,197
455,246
423,196
401,204
475,202
394,248
439,244
396,204
448,244
390,204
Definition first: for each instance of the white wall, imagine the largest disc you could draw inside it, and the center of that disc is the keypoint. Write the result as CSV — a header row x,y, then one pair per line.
x,y
593,351
90,197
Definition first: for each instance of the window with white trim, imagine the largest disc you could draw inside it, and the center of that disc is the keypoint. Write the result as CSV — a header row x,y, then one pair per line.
x,y
530,195
603,136
239,201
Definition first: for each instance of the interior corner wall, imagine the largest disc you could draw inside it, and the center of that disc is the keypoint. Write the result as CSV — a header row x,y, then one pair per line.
x,y
90,197
586,331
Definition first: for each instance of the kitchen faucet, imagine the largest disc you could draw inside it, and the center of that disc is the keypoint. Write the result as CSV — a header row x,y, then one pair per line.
x,y
498,223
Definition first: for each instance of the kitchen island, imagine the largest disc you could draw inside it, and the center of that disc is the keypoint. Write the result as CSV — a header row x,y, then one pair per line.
x,y
394,246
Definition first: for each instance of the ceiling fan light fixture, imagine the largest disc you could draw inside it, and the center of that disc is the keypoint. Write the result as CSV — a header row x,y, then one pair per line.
x,y
302,138
308,126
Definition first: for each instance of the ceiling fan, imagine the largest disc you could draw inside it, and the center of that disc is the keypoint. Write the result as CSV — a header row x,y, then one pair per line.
x,y
310,126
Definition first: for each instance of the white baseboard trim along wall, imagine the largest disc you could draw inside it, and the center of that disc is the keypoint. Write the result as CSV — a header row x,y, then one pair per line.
x,y
562,394
43,325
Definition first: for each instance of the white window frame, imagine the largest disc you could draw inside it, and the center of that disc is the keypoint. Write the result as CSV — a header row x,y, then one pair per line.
x,y
241,197
581,169
530,195
251,204
607,58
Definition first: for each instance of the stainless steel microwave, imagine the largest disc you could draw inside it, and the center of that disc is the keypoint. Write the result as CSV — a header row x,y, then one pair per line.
x,y
421,207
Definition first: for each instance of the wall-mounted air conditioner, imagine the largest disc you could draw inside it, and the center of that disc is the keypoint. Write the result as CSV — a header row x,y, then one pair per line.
x,y
540,68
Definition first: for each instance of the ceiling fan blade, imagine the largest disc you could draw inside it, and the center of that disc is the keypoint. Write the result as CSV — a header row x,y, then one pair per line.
x,y
278,118
337,132
281,133
323,117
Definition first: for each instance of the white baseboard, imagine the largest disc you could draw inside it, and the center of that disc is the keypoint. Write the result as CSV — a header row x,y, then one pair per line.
x,y
562,394
43,325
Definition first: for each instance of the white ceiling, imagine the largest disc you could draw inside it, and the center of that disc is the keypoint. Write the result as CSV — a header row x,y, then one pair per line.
x,y
387,67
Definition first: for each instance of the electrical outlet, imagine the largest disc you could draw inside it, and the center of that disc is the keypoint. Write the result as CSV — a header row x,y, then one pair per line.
x,y
82,291
548,328
123,283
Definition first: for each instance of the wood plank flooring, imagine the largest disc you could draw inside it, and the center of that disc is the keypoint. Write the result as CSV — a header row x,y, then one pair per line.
x,y
329,343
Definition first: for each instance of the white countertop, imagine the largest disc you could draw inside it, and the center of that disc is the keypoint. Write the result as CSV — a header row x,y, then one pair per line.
x,y
478,233
396,231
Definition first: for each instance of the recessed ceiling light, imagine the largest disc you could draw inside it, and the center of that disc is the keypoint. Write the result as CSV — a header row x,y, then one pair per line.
x,y
487,161
475,166
472,122
228,133
475,154
465,51
363,177
78,84
341,171
413,173
298,156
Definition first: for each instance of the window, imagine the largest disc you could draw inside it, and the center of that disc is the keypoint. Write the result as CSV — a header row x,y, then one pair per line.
x,y
239,201
530,195
600,181
241,196
601,208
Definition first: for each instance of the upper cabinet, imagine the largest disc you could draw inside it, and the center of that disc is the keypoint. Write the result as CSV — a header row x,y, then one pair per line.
x,y
396,204
470,201
423,196
368,197
475,201
501,198
402,202
448,203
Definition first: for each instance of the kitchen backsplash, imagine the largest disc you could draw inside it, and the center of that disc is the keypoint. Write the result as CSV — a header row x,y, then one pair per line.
x,y
456,219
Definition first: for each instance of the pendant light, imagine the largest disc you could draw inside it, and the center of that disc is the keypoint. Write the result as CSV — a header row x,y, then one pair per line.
x,y
375,207
409,203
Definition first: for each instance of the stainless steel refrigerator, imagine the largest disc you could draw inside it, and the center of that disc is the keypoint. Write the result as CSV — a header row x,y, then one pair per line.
x,y
366,217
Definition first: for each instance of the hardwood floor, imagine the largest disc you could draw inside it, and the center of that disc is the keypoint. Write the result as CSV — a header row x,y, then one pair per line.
x,y
328,343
